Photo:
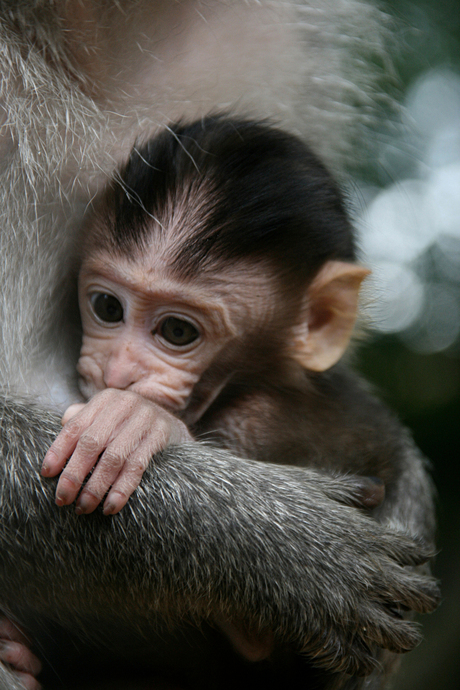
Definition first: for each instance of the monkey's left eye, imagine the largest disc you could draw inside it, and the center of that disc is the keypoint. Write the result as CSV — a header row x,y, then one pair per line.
x,y
107,307
177,331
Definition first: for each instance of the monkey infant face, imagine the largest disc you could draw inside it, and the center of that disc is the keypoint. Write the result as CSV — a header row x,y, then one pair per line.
x,y
153,334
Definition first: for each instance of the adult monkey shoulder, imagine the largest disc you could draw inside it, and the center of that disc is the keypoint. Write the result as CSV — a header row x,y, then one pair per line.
x,y
95,88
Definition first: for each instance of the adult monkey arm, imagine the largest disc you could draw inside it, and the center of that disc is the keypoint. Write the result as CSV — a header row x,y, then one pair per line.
x,y
282,542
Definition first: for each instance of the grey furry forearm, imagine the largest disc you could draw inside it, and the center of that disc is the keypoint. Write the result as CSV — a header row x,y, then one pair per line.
x,y
210,534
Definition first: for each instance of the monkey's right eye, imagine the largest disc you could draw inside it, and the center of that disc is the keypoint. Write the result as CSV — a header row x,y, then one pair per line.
x,y
106,307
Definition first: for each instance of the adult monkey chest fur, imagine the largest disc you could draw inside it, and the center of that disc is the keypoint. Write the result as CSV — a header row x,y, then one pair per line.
x,y
80,81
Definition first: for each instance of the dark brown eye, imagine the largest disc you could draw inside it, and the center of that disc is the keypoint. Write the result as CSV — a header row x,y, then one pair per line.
x,y
107,307
178,332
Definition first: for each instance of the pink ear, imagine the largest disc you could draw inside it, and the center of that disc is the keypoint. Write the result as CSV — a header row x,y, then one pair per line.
x,y
332,306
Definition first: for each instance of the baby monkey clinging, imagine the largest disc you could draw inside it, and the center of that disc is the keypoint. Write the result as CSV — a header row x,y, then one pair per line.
x,y
218,280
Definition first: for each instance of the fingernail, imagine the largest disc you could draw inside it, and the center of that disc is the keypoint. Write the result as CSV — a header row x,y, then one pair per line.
x,y
49,460
108,509
84,505
59,501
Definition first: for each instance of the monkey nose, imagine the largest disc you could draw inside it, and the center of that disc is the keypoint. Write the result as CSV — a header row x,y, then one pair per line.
x,y
120,374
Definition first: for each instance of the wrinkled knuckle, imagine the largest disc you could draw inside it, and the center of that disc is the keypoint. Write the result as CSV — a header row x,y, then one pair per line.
x,y
93,494
89,444
73,428
113,460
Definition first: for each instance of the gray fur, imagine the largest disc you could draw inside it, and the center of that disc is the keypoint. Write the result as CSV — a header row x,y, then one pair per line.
x,y
208,533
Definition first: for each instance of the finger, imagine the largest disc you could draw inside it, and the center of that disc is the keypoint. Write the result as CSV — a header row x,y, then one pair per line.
x,y
71,411
356,490
28,681
19,656
22,660
10,631
130,476
389,632
124,486
83,459
127,456
355,659
107,470
65,443
369,492
404,549
107,424
416,591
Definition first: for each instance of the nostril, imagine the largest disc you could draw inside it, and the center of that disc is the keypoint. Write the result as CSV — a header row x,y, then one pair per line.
x,y
119,376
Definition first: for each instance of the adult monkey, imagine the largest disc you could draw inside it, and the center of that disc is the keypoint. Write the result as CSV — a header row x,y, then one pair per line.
x,y
81,79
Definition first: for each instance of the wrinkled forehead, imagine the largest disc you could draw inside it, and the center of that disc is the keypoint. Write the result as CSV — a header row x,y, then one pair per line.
x,y
240,294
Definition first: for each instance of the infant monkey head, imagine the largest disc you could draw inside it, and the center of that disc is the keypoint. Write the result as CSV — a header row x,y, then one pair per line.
x,y
222,248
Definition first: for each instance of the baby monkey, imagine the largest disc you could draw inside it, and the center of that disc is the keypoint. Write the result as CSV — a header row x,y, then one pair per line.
x,y
217,281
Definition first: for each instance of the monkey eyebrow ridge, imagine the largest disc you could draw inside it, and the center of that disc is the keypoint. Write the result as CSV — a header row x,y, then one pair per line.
x,y
219,321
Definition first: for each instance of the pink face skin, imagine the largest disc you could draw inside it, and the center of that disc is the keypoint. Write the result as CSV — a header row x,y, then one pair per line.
x,y
147,340
143,351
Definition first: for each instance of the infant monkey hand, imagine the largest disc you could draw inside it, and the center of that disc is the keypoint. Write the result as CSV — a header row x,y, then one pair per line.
x,y
116,433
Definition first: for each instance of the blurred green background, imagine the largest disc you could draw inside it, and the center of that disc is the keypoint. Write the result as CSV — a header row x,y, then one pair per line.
x,y
416,365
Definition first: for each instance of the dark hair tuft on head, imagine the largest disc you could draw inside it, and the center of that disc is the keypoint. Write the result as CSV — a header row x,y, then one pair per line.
x,y
253,192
